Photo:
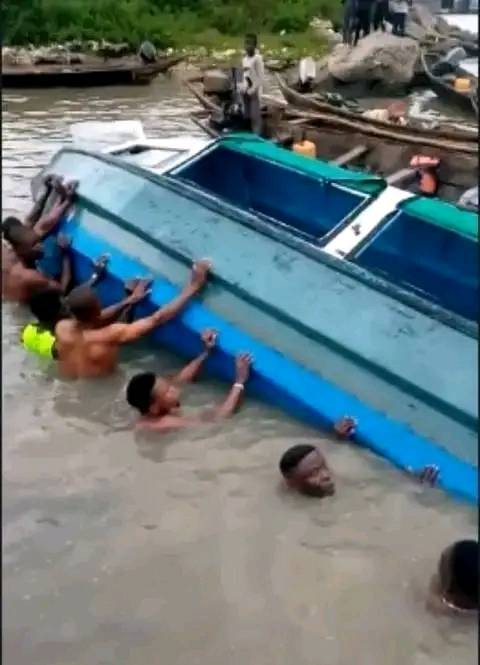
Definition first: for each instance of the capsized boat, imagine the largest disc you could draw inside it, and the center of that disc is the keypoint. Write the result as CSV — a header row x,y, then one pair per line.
x,y
354,297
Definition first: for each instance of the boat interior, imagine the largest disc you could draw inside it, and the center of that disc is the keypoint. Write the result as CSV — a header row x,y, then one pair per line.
x,y
438,264
429,260
304,203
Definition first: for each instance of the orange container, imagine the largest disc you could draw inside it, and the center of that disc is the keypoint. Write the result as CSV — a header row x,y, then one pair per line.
x,y
462,85
305,148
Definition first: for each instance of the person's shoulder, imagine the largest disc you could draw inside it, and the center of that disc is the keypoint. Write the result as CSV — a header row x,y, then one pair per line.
x,y
64,326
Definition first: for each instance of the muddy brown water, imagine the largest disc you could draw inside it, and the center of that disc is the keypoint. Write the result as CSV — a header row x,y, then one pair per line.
x,y
184,550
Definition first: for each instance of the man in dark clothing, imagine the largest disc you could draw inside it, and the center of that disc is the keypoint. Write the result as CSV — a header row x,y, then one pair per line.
x,y
349,11
380,15
363,19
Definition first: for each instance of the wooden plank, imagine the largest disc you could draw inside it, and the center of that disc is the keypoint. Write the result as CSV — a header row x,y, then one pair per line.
x,y
349,156
400,176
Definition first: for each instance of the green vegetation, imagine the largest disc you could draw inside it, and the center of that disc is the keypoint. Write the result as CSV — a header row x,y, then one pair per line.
x,y
213,24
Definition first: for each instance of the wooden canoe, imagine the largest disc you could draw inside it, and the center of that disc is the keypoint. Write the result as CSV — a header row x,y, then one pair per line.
x,y
444,89
375,127
127,71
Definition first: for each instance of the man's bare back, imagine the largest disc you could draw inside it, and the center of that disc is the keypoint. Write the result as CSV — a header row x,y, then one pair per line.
x,y
86,351
83,352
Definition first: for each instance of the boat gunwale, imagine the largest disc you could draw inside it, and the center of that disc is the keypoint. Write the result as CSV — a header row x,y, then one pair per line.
x,y
314,252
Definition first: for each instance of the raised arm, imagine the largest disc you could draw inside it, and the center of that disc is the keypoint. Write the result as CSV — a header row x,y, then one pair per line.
x,y
225,410
99,269
34,215
123,333
66,276
232,401
48,222
190,372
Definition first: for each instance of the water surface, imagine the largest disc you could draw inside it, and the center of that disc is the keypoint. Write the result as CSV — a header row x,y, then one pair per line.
x,y
183,550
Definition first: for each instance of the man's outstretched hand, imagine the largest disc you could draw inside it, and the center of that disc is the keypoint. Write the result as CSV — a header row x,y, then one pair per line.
x,y
199,274
209,338
345,427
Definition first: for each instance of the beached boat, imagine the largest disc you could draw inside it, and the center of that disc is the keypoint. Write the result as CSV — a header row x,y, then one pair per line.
x,y
126,71
444,89
354,297
455,139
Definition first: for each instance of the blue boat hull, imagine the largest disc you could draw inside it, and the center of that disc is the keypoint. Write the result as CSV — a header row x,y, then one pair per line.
x,y
316,357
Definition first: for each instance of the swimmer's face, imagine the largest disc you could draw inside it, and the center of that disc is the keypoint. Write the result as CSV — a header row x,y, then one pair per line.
x,y
165,398
312,476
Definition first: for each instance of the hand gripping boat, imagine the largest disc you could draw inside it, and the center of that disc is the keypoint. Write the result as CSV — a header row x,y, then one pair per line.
x,y
355,298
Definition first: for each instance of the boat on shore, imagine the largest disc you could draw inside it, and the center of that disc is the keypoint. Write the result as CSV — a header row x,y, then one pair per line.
x,y
445,89
458,139
97,73
287,269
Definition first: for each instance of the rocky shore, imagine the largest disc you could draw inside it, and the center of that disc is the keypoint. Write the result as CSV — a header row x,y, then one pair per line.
x,y
379,57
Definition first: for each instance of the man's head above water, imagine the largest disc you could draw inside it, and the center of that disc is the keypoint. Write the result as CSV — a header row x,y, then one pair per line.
x,y
84,305
152,395
458,574
8,224
305,469
24,241
48,306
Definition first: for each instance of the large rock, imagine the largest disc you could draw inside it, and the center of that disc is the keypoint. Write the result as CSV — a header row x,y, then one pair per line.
x,y
422,16
378,57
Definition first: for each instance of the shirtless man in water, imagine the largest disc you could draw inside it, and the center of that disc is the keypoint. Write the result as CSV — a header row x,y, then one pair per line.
x,y
85,350
158,399
20,277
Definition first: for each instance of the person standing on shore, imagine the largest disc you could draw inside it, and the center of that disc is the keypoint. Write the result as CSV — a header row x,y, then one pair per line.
x,y
253,77
349,11
363,19
399,10
380,15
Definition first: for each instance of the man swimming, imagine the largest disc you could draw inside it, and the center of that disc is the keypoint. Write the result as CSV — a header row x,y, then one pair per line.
x,y
158,399
85,350
454,588
20,276
305,468
49,306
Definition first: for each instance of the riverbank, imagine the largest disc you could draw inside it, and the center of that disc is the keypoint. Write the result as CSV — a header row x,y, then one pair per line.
x,y
209,48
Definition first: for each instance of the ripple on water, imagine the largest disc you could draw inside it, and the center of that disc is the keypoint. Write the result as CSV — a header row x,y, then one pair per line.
x,y
119,547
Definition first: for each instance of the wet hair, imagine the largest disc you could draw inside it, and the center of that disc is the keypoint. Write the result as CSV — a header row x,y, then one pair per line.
x,y
83,303
139,391
293,456
464,569
47,305
8,224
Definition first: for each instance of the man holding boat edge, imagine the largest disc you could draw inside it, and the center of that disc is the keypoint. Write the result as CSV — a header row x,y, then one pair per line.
x,y
87,351
158,399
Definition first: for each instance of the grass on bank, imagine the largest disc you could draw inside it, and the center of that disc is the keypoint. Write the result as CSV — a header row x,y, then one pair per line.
x,y
178,24
289,46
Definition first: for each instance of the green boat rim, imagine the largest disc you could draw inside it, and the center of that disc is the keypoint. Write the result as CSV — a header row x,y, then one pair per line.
x,y
443,214
254,145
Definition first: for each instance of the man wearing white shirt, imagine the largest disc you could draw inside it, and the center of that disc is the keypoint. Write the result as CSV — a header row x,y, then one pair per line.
x,y
399,10
253,77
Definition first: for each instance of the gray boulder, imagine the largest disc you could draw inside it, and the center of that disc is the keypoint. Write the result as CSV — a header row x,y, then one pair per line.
x,y
423,17
383,58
